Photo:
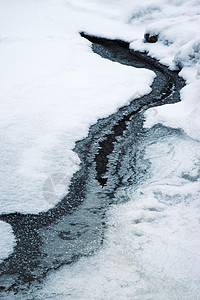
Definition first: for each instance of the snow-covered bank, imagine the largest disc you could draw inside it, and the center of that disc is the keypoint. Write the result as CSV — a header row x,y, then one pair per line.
x,y
178,46
7,240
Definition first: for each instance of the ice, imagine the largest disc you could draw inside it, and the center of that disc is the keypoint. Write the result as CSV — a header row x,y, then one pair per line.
x,y
7,240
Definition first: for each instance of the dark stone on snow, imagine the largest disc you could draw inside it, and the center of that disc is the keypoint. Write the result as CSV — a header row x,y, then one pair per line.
x,y
151,38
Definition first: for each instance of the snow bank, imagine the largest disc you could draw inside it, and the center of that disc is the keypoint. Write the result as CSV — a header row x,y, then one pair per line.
x,y
7,240
178,46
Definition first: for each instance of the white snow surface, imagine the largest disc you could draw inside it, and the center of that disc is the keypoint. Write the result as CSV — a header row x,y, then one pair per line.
x,y
7,240
53,88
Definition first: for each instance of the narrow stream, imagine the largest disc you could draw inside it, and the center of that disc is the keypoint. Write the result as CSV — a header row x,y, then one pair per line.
x,y
75,227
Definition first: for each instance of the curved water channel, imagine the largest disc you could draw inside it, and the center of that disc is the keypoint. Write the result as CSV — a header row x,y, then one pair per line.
x,y
111,160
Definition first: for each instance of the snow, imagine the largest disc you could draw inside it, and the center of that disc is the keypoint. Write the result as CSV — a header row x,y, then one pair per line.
x,y
178,46
7,240
185,114
53,88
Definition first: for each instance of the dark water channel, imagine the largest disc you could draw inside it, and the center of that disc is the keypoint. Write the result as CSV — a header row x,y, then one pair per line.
x,y
75,227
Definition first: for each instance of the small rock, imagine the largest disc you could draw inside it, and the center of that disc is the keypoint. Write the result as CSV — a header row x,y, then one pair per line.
x,y
151,38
